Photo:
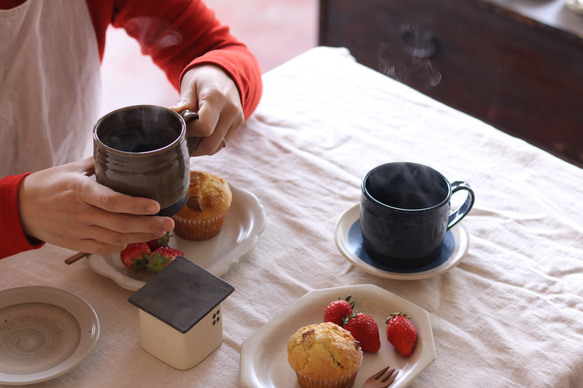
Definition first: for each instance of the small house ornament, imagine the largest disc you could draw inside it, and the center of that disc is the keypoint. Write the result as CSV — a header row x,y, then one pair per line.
x,y
180,313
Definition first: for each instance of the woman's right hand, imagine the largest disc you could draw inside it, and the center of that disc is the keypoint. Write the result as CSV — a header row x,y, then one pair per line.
x,y
64,206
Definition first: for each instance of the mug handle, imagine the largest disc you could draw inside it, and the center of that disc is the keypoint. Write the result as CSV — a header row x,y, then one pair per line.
x,y
460,213
191,142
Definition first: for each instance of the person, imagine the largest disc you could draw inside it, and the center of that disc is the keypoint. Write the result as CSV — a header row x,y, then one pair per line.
x,y
49,66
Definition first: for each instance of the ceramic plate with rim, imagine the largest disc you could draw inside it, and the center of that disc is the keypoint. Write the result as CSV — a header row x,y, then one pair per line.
x,y
244,222
45,332
348,238
264,354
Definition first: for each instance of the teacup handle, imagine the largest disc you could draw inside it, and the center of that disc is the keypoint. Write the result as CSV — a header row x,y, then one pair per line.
x,y
191,142
460,213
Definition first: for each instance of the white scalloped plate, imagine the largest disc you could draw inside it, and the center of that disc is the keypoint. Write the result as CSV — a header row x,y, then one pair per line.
x,y
45,332
244,223
264,354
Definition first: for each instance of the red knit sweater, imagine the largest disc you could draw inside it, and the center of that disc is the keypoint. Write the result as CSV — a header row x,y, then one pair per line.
x,y
204,39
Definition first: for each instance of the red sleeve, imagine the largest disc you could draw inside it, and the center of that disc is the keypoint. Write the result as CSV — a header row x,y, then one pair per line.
x,y
178,34
12,238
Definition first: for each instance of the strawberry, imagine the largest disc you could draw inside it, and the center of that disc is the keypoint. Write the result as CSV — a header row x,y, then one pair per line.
x,y
401,333
133,254
159,242
337,310
160,258
364,329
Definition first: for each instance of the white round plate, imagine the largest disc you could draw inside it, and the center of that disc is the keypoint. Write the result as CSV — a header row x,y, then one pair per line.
x,y
348,239
244,222
264,354
45,332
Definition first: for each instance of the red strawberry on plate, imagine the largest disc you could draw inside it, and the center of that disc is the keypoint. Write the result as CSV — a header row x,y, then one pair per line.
x,y
338,310
133,254
159,242
401,333
364,329
160,258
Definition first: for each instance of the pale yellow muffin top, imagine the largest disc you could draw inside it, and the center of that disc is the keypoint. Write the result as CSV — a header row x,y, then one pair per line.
x,y
208,196
324,351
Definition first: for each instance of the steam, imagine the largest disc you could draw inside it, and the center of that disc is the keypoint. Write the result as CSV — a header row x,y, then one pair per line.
x,y
407,59
140,128
406,186
153,34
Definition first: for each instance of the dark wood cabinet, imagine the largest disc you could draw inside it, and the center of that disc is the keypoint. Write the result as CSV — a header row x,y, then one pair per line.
x,y
521,75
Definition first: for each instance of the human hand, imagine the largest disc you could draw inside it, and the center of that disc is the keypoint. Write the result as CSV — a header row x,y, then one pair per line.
x,y
64,206
209,91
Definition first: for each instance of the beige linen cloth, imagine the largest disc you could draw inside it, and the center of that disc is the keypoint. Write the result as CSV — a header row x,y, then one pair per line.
x,y
510,315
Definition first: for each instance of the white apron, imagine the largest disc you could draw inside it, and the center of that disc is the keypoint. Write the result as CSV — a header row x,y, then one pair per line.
x,y
49,84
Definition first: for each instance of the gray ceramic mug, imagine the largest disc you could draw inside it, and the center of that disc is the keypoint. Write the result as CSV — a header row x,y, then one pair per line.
x,y
143,151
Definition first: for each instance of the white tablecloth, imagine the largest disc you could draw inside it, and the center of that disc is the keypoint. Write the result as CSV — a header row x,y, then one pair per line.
x,y
510,315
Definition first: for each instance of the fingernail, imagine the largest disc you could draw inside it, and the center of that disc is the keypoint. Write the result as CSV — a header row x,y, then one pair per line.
x,y
153,208
170,225
180,103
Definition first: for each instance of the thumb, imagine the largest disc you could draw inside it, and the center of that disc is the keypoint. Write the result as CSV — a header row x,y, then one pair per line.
x,y
188,100
188,93
182,104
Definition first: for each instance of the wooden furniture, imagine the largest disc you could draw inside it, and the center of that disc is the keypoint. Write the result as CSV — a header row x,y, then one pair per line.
x,y
510,65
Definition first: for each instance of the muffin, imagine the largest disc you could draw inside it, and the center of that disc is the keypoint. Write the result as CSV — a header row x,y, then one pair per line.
x,y
209,198
324,355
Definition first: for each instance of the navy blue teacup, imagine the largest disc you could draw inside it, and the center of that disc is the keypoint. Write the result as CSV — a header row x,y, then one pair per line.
x,y
405,212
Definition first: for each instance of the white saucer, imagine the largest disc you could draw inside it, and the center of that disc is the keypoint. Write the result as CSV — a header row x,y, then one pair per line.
x,y
244,223
45,332
264,354
348,239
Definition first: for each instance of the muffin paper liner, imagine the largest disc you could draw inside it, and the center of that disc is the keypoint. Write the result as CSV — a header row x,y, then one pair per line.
x,y
345,382
198,229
